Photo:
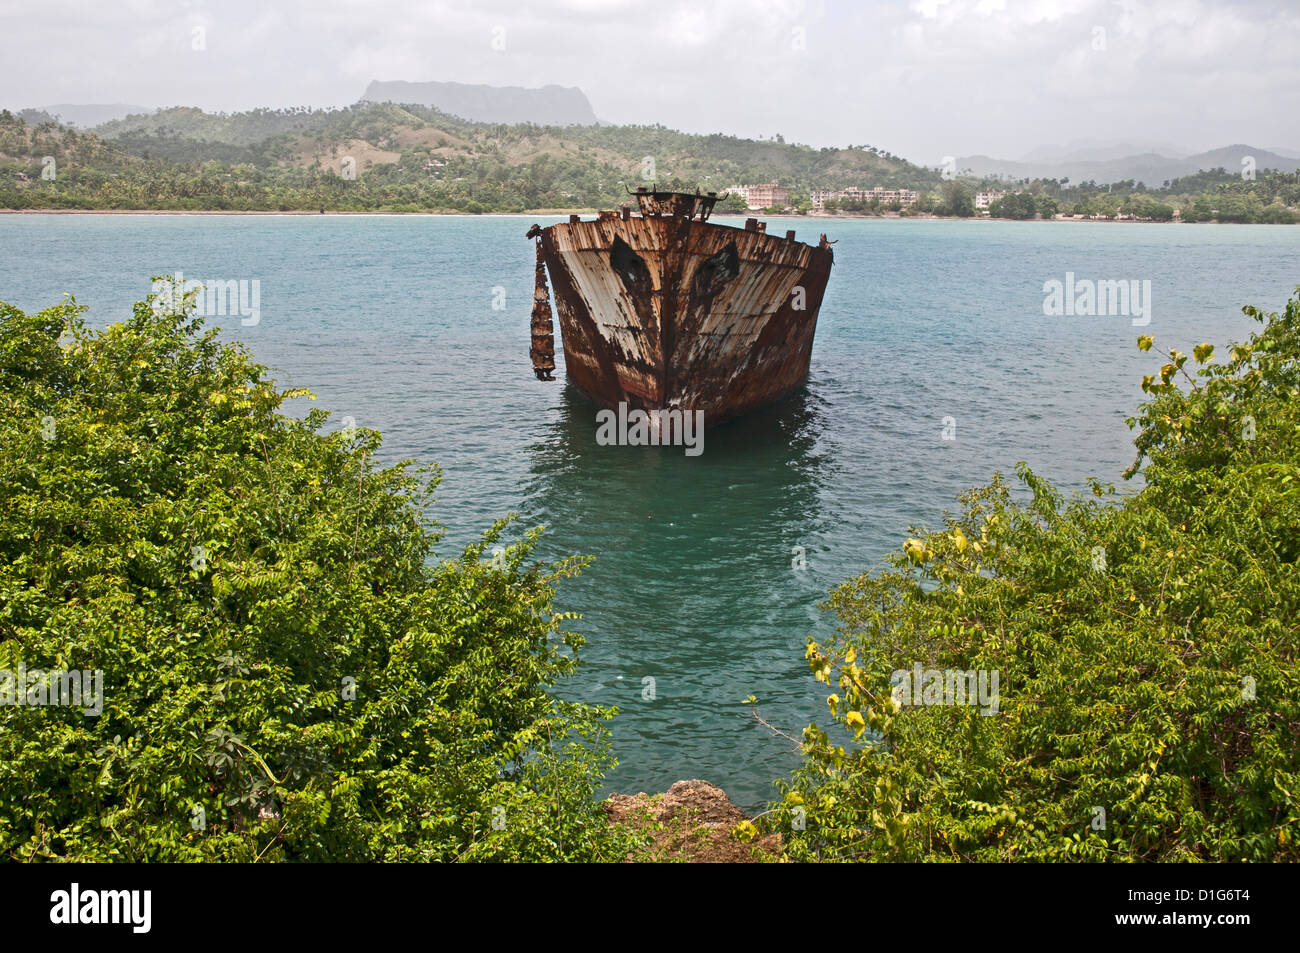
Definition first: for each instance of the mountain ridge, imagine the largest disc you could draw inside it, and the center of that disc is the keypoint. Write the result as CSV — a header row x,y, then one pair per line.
x,y
549,105
1150,168
88,115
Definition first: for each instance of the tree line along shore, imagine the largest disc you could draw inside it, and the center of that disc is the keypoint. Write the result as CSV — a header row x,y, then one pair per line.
x,y
390,158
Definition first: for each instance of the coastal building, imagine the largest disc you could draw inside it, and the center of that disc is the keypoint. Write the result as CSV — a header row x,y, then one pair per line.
x,y
904,197
740,190
767,196
984,199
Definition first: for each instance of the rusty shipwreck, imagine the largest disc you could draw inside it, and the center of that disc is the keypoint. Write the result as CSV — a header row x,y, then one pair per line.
x,y
661,309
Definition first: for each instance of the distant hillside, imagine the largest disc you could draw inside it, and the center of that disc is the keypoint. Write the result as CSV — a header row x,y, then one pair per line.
x,y
409,158
25,148
88,115
547,106
231,129
1093,150
1151,168
419,142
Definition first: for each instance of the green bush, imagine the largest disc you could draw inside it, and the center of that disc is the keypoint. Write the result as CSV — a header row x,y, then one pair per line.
x,y
1149,705
288,673
1017,205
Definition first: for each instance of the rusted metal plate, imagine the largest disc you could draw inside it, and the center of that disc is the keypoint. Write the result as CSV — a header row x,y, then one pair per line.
x,y
673,312
542,352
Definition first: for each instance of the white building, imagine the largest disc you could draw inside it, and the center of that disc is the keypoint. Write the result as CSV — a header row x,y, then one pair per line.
x,y
741,190
904,197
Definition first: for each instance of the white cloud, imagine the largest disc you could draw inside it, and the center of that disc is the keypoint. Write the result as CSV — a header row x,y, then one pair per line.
x,y
925,79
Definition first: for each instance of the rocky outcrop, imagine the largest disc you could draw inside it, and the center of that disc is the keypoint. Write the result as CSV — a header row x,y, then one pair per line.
x,y
692,821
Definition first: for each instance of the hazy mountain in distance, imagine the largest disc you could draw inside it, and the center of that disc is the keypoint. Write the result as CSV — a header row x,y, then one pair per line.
x,y
1150,168
35,117
85,116
1094,150
1230,158
1289,153
546,106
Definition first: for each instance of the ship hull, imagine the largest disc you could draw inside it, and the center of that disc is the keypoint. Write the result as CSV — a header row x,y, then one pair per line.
x,y
673,313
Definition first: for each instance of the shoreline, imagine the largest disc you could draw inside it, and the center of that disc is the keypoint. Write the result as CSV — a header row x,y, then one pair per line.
x,y
563,212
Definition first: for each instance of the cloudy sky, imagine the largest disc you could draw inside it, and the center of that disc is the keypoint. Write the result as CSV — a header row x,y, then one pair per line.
x,y
920,78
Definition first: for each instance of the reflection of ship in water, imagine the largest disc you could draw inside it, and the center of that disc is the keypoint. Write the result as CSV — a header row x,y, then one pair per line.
x,y
766,464
676,539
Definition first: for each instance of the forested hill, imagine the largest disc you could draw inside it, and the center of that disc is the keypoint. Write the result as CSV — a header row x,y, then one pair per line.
x,y
409,135
408,158
401,158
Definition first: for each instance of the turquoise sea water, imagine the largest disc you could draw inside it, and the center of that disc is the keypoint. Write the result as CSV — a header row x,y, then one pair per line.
x,y
390,320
